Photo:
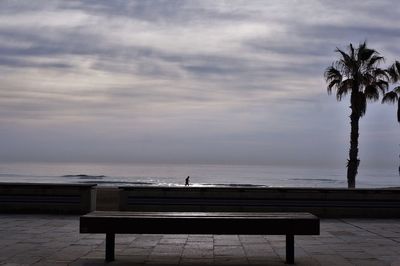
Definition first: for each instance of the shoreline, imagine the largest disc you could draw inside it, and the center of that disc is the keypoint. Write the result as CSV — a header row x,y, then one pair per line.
x,y
116,184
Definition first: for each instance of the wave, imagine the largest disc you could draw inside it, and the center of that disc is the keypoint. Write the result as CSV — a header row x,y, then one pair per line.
x,y
232,185
84,176
163,184
111,182
12,175
315,179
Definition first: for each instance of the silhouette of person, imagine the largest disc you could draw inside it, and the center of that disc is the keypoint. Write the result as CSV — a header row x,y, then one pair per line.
x,y
187,181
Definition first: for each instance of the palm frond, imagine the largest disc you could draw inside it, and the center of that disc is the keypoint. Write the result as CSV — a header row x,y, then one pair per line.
x,y
346,59
332,73
397,64
351,50
341,93
367,78
398,111
365,53
343,67
371,93
390,97
375,60
362,46
393,73
356,72
382,85
379,72
333,83
344,88
334,77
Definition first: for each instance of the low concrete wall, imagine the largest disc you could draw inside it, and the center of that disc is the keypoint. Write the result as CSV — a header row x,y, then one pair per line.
x,y
323,202
47,198
107,199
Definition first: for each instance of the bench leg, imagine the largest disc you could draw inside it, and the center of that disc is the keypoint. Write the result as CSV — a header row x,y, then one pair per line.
x,y
110,246
290,249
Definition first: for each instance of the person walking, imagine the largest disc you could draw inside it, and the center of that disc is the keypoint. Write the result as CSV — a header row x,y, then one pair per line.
x,y
187,181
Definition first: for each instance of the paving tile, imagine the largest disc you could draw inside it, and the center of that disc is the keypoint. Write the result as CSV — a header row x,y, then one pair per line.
x,y
200,238
136,251
199,245
196,261
267,261
197,254
218,242
47,261
163,259
252,239
55,240
177,241
229,251
331,260
369,262
175,236
25,259
143,242
230,261
168,249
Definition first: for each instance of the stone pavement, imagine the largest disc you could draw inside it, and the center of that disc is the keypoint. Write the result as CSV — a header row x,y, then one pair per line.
x,y
55,240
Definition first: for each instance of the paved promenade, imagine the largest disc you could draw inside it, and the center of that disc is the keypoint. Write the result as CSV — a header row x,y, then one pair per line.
x,y
55,240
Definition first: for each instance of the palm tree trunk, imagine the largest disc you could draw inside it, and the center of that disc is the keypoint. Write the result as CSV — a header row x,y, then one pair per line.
x,y
353,161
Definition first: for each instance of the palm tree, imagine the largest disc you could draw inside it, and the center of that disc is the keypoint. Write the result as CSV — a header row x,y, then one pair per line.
x,y
394,95
357,73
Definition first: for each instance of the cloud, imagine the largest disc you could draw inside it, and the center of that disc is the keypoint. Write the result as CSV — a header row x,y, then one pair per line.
x,y
233,76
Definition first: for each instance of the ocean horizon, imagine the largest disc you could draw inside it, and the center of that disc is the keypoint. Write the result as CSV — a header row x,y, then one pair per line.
x,y
116,174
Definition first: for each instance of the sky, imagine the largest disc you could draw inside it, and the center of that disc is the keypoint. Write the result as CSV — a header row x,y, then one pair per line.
x,y
196,81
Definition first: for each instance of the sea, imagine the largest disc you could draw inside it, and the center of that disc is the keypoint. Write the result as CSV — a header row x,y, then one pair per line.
x,y
201,175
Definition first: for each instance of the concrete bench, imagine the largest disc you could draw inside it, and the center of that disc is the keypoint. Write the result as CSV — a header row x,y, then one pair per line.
x,y
217,223
47,198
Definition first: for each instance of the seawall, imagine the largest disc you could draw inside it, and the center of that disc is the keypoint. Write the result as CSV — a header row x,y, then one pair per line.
x,y
323,202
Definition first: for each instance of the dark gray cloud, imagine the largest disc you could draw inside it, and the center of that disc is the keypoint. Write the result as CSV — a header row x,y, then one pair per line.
x,y
157,11
20,63
352,32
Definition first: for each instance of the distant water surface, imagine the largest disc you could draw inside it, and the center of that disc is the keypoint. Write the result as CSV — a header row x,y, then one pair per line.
x,y
200,175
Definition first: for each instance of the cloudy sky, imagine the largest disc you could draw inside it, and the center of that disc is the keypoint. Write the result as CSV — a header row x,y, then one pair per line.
x,y
194,81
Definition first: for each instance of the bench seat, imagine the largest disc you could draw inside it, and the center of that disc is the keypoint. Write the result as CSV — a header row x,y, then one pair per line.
x,y
217,223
